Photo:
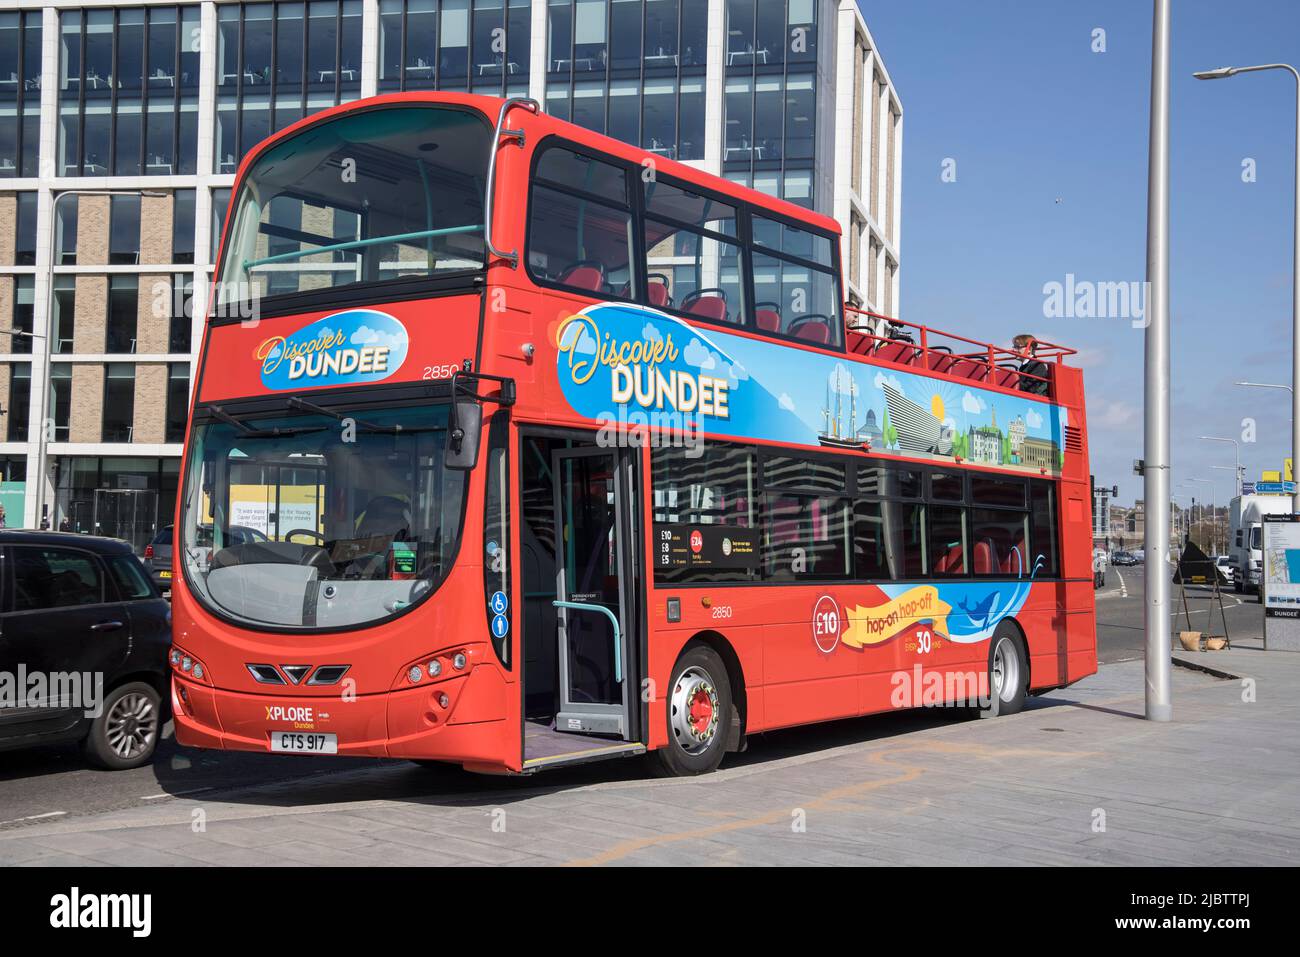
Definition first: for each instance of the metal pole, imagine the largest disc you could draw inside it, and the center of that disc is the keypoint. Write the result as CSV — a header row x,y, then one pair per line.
x,y
1156,421
1295,309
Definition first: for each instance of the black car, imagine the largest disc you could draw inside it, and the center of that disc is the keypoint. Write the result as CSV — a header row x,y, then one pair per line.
x,y
84,635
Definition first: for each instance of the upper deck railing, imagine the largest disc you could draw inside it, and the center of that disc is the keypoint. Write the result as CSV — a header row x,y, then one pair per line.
x,y
908,344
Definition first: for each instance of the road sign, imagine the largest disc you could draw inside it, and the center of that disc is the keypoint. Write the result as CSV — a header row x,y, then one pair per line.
x,y
1247,488
1274,488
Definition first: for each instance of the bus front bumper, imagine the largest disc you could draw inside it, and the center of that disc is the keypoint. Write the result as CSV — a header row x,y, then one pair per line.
x,y
460,720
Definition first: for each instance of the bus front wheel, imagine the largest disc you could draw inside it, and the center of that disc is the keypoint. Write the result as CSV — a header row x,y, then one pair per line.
x,y
1008,674
699,714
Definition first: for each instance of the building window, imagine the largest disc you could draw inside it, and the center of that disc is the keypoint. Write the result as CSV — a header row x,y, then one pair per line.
x,y
220,203
123,314
19,405
20,93
24,313
183,226
25,230
124,230
61,399
178,400
182,312
65,226
119,401
278,62
632,70
128,90
63,321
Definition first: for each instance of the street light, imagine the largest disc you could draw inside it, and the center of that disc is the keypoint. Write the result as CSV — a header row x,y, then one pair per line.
x,y
1268,385
1222,73
42,450
1236,451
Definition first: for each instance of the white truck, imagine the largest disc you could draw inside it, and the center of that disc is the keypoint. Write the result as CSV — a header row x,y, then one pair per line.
x,y
1246,535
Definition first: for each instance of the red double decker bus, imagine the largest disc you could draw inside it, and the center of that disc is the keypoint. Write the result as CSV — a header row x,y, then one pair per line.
x,y
515,446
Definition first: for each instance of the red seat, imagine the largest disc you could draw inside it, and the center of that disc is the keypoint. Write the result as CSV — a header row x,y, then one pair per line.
x,y
938,361
859,344
1007,378
768,320
657,293
709,307
984,558
583,277
817,332
1014,562
950,563
967,368
895,351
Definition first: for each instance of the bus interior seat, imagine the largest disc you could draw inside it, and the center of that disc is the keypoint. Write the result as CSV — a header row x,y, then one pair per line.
x,y
950,562
1014,562
584,274
768,317
984,559
657,290
706,303
812,329
896,352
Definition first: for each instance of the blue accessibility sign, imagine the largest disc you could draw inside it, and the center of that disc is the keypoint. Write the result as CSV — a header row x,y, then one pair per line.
x,y
499,603
500,626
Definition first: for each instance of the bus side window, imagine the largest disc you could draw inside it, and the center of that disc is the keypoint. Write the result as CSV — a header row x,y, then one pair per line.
x,y
1043,532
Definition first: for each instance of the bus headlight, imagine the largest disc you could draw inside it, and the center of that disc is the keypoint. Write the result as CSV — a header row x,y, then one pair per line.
x,y
435,668
459,661
415,674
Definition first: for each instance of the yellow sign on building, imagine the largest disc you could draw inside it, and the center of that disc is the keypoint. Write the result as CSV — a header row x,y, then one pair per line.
x,y
1270,476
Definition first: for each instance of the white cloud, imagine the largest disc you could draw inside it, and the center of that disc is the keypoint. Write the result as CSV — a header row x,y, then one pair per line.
x,y
699,355
651,333
841,381
972,404
364,336
882,380
1033,419
1112,415
787,403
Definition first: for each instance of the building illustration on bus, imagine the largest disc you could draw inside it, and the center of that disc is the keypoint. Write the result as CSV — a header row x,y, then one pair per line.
x,y
567,451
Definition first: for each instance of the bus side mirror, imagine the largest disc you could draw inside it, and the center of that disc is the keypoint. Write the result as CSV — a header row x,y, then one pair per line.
x,y
463,434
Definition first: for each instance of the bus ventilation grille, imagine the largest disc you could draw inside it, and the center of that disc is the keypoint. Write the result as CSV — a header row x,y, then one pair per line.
x,y
1073,439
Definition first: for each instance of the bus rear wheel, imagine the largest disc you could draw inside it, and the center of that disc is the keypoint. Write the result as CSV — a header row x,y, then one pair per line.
x,y
699,715
1008,674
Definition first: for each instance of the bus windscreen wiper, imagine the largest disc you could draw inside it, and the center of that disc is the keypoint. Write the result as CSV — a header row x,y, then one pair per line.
x,y
221,415
296,403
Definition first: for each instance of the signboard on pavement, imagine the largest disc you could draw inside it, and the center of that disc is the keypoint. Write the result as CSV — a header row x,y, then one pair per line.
x,y
1281,573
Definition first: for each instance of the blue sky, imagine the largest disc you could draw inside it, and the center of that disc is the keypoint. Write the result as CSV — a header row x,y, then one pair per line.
x,y
1050,144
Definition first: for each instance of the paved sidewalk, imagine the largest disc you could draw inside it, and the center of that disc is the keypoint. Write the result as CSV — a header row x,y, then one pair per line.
x,y
1076,779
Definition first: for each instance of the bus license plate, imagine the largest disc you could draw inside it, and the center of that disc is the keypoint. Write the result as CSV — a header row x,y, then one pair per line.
x,y
304,742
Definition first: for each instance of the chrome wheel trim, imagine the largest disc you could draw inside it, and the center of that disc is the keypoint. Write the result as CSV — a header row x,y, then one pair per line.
x,y
694,691
131,725
1006,670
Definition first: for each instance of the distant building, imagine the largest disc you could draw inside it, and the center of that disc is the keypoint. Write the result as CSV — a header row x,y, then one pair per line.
x,y
1016,432
1040,453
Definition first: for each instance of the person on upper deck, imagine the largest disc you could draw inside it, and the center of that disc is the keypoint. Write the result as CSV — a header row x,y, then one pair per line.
x,y
1034,371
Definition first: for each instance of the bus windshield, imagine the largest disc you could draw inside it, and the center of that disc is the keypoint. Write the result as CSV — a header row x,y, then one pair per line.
x,y
376,195
320,520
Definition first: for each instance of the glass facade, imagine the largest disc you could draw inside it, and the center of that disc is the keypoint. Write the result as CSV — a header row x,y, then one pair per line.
x,y
20,92
279,62
128,91
632,69
483,46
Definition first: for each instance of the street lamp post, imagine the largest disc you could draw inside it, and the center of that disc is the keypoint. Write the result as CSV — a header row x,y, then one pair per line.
x,y
43,440
1236,451
1155,397
1277,385
1223,73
